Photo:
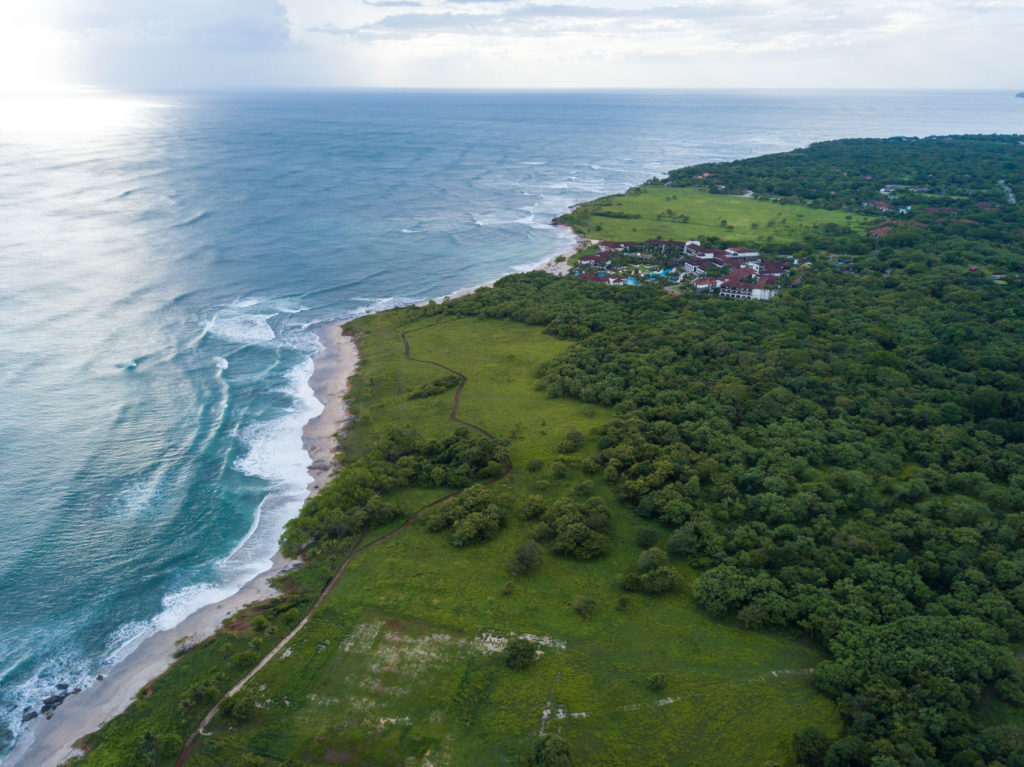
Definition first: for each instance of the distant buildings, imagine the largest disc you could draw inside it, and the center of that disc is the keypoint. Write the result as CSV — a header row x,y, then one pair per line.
x,y
742,273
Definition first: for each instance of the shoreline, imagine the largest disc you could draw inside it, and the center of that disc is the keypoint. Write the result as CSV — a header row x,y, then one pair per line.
x,y
50,742
550,265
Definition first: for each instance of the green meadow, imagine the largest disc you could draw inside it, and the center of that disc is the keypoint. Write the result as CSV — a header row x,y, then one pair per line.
x,y
402,664
690,213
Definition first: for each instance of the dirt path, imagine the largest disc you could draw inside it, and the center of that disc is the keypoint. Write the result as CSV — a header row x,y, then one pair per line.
x,y
186,752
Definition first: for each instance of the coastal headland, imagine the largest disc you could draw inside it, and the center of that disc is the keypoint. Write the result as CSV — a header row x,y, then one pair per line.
x,y
614,524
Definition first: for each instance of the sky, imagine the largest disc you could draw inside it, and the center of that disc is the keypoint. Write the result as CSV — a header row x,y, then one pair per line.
x,y
158,45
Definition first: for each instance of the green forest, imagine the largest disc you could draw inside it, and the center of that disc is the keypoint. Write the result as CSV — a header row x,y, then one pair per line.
x,y
667,497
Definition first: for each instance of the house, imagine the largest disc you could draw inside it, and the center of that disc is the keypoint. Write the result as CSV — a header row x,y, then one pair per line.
x,y
765,289
705,284
880,231
736,289
737,286
695,266
596,258
596,278
693,248
741,252
774,267
880,204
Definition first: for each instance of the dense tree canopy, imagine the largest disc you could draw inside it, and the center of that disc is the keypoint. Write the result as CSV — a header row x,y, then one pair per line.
x,y
846,460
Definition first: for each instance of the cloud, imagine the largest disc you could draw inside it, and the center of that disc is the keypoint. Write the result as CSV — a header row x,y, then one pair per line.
x,y
683,27
222,24
142,44
522,43
393,3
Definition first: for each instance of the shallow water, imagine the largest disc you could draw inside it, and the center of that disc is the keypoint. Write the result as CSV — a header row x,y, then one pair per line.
x,y
164,258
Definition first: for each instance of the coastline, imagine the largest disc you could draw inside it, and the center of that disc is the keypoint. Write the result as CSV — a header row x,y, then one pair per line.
x,y
550,265
50,742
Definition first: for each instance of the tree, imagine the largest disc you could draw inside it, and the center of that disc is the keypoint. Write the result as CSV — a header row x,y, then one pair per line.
x,y
550,750
572,442
811,745
654,573
520,653
525,559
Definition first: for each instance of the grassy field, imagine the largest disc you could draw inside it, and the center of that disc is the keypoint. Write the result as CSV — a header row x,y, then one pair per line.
x,y
402,663
674,213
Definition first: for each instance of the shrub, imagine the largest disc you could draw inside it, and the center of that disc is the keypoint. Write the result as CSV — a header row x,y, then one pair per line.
x,y
520,653
657,682
585,607
245,659
437,386
525,559
239,707
550,751
475,515
573,441
654,574
533,507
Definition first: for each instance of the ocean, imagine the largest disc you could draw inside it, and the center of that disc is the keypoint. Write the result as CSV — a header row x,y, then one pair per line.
x,y
164,260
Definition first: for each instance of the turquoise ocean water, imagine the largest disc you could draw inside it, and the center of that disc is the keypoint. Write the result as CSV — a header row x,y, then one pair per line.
x,y
163,260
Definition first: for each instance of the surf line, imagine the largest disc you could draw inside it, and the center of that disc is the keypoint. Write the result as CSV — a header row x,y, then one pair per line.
x,y
189,746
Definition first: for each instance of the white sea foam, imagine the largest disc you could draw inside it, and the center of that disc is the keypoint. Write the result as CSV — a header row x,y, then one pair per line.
x,y
68,669
136,497
275,453
221,363
241,328
178,605
374,305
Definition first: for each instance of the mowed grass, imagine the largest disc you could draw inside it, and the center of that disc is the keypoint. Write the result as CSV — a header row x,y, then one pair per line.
x,y
400,665
689,213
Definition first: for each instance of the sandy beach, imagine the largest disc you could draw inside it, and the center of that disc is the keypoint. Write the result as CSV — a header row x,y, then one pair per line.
x,y
335,365
49,742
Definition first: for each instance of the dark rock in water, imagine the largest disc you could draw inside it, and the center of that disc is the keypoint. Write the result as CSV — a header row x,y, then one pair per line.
x,y
54,700
47,708
76,691
28,716
63,686
99,677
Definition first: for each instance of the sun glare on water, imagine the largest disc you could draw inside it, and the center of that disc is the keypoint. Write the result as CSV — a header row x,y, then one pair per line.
x,y
70,116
